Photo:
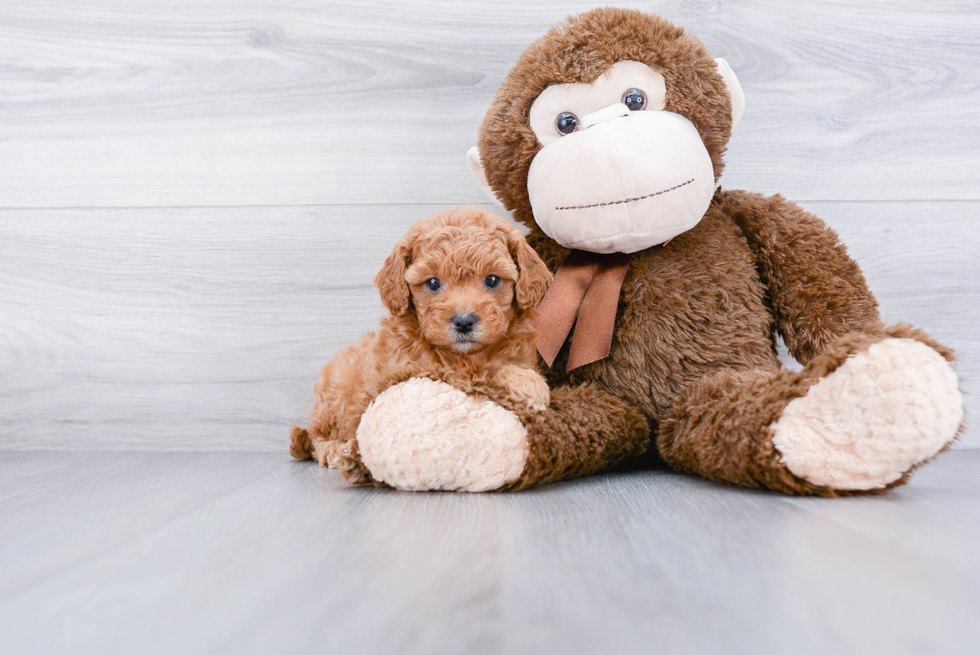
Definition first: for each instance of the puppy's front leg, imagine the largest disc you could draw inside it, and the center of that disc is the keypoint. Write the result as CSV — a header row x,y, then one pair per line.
x,y
524,385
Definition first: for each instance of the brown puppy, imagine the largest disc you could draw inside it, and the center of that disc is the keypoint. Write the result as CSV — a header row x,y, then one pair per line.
x,y
460,287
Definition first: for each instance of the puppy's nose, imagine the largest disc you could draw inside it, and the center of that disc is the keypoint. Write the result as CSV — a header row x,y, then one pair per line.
x,y
464,323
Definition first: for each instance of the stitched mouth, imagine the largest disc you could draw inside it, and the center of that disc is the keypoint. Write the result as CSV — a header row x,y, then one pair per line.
x,y
620,202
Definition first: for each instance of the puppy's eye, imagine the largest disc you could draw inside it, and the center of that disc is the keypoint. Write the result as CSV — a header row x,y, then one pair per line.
x,y
433,284
635,99
566,123
492,282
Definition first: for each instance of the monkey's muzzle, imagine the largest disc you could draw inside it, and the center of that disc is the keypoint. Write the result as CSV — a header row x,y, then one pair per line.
x,y
624,183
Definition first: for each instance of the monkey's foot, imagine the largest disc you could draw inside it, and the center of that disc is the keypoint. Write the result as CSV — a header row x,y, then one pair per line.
x,y
879,414
422,435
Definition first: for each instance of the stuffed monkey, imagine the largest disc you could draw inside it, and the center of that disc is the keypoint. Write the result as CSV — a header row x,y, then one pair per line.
x,y
658,333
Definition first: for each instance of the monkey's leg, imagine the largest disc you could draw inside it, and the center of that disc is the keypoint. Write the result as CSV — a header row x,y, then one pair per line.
x,y
856,419
424,434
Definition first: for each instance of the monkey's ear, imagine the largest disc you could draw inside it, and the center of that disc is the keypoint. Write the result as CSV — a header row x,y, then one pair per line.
x,y
390,280
734,90
476,166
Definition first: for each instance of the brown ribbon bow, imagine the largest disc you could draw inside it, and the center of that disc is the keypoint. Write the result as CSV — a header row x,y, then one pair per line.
x,y
584,293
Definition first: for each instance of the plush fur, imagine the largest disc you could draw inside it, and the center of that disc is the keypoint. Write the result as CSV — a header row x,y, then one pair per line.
x,y
723,427
693,351
459,248
585,430
845,433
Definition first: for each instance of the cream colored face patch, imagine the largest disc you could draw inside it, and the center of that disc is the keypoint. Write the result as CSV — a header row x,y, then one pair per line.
x,y
623,184
616,173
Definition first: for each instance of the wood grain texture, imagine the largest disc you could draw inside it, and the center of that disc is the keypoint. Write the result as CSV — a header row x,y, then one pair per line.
x,y
294,561
251,102
657,560
205,329
941,506
54,520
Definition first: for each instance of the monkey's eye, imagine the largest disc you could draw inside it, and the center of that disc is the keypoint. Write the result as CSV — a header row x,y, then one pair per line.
x,y
433,284
566,123
492,282
635,99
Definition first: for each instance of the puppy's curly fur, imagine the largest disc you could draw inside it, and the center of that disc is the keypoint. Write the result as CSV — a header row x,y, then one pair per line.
x,y
461,288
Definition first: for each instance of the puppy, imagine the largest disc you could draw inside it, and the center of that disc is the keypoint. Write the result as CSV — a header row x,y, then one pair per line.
x,y
460,288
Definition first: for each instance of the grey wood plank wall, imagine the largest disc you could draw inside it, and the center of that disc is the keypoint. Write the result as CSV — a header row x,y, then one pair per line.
x,y
195,195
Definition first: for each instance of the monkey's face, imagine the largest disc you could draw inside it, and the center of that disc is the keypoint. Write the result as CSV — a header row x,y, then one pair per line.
x,y
608,134
616,173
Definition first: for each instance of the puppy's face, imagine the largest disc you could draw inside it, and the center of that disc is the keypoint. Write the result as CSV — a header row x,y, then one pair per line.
x,y
462,286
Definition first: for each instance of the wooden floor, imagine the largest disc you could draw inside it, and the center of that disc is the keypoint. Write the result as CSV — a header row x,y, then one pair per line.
x,y
254,553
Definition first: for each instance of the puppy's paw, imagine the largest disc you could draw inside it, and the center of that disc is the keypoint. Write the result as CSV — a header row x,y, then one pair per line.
x,y
524,385
334,454
342,455
300,445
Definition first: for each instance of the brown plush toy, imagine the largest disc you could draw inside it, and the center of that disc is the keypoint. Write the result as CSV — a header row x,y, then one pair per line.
x,y
606,141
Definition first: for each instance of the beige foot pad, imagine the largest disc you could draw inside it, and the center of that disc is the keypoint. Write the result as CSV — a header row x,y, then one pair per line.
x,y
426,435
876,416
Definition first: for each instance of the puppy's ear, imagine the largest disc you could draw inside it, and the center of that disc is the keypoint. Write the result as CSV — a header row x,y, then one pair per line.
x,y
533,277
390,280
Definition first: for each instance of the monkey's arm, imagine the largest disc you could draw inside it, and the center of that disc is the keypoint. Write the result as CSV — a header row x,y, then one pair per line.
x,y
442,433
817,292
585,430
